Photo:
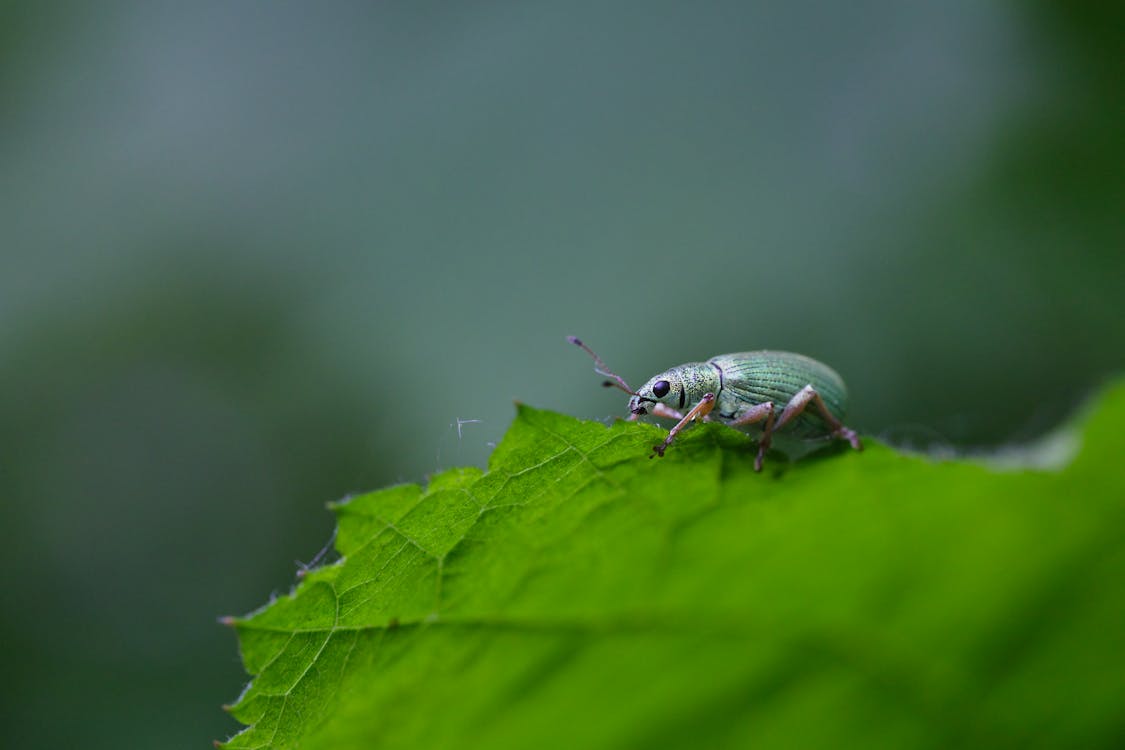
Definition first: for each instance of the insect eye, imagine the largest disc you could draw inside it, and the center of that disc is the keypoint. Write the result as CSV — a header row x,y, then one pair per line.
x,y
660,388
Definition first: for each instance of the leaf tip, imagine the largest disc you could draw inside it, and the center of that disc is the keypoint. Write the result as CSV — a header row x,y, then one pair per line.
x,y
521,408
229,620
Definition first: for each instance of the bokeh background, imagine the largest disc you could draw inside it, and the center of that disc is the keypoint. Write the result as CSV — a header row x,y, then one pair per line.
x,y
256,256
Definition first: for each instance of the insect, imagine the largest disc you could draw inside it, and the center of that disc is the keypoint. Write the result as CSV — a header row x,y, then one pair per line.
x,y
774,389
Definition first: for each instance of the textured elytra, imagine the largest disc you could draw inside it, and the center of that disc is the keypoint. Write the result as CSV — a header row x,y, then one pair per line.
x,y
581,595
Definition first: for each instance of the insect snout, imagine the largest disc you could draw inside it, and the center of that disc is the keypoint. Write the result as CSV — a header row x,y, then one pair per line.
x,y
636,407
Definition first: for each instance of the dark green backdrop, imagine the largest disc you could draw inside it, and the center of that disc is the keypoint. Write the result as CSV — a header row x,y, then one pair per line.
x,y
256,256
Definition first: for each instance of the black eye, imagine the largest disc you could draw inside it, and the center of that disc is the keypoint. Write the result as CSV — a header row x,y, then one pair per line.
x,y
660,388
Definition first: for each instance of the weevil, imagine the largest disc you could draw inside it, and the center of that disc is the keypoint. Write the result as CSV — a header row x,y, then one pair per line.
x,y
768,388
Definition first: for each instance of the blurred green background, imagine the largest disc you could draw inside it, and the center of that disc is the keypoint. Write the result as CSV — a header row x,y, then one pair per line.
x,y
257,256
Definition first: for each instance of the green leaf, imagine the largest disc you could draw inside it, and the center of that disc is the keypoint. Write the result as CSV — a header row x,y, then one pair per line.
x,y
580,595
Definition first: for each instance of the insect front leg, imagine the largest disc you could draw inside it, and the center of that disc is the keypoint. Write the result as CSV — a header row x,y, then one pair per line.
x,y
808,395
702,409
660,410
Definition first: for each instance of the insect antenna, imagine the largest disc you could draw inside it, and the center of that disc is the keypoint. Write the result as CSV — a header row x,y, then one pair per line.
x,y
601,368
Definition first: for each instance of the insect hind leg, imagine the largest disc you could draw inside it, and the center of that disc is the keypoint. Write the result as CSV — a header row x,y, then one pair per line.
x,y
801,401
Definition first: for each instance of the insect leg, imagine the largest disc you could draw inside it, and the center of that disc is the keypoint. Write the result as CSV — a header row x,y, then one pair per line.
x,y
660,410
757,414
702,409
809,395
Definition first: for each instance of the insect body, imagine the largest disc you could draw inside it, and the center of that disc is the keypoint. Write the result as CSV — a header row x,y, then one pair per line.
x,y
773,389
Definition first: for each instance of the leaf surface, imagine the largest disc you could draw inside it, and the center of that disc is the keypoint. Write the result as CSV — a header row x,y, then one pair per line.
x,y
579,594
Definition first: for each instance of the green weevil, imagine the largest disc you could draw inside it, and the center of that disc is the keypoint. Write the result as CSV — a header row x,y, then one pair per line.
x,y
770,388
